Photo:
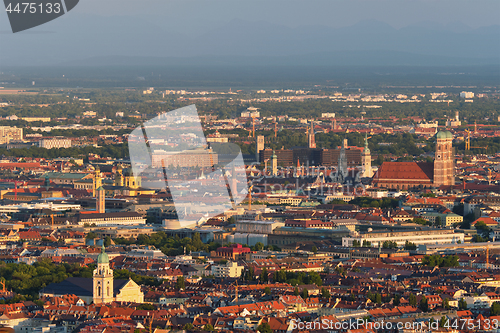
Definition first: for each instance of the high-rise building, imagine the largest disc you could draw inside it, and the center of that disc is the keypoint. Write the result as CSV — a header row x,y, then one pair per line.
x,y
259,147
310,137
100,200
8,134
444,169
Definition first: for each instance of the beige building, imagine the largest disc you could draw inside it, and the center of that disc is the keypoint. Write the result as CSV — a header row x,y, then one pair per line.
x,y
32,119
8,134
446,219
230,269
202,158
54,143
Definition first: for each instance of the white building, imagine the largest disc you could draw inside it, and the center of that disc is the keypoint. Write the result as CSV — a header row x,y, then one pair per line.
x,y
54,143
230,269
466,94
429,236
257,227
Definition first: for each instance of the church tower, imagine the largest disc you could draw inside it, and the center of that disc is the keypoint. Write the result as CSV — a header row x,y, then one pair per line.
x,y
97,181
444,167
131,181
310,137
274,164
103,279
366,160
119,176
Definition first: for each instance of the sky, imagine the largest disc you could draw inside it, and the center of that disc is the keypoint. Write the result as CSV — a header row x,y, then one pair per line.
x,y
264,28
334,13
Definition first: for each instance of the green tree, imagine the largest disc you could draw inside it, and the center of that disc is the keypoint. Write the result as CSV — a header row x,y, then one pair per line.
x,y
410,246
424,304
305,294
209,328
325,293
91,235
146,307
264,328
396,300
296,291
107,241
443,321
314,249
188,327
258,246
264,275
462,304
437,222
378,298
412,299
445,304
355,243
180,284
495,309
267,291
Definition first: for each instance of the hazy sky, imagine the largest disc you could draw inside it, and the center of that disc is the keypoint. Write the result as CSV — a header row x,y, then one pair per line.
x,y
335,13
275,28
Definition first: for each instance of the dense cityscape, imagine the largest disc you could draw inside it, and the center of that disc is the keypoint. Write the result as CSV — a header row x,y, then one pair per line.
x,y
359,211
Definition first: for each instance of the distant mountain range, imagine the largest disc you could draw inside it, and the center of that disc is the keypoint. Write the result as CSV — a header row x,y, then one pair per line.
x,y
103,41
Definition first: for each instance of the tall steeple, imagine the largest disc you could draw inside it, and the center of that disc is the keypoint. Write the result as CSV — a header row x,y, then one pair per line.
x,y
310,137
97,181
103,279
274,164
366,159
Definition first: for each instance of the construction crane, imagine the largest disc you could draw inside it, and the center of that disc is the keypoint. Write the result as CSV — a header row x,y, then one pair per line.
x,y
265,165
15,185
253,127
250,197
235,284
487,256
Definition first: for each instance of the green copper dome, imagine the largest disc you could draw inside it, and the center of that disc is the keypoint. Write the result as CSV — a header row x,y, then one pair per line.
x,y
103,258
444,135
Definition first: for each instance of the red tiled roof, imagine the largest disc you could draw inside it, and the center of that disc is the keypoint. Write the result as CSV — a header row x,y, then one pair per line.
x,y
406,170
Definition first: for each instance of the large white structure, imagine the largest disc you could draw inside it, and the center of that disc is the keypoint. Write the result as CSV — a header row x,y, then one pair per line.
x,y
39,206
257,227
54,143
467,94
429,236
